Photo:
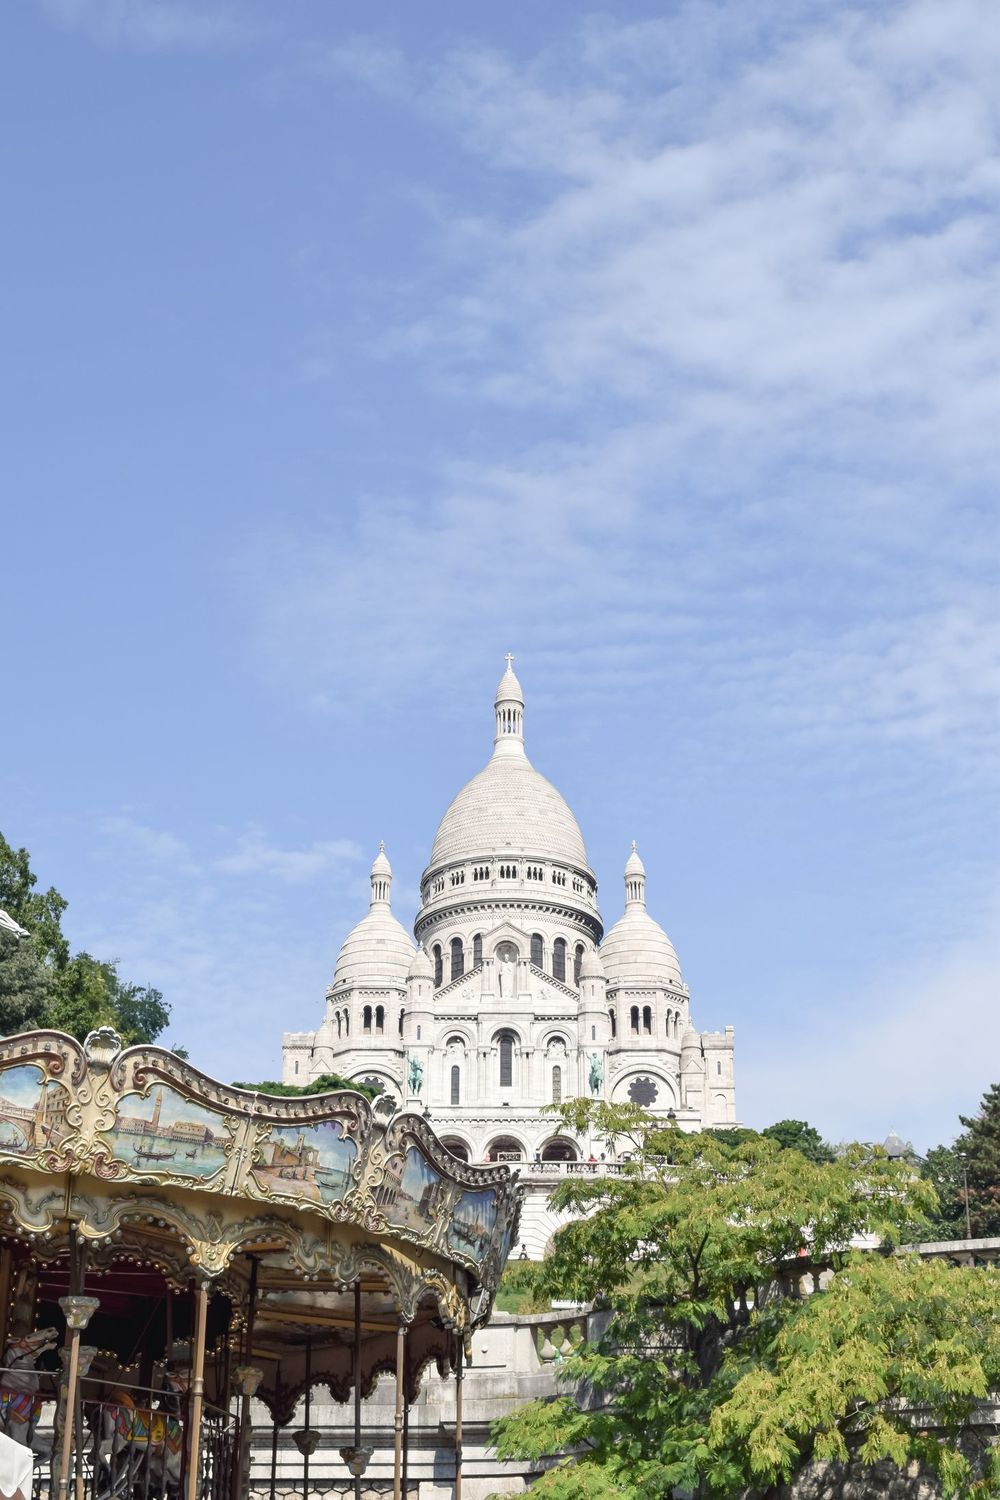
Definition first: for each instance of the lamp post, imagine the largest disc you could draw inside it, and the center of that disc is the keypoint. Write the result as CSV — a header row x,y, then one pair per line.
x,y
963,1158
78,1312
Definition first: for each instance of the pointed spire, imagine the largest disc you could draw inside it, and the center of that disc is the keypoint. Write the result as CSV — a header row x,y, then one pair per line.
x,y
381,878
509,706
635,879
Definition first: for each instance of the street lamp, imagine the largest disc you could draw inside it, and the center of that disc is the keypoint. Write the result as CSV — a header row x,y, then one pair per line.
x,y
963,1158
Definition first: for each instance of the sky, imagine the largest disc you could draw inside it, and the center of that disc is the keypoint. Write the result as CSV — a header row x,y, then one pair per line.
x,y
349,347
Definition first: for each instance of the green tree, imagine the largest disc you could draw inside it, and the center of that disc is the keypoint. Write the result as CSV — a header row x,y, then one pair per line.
x,y
980,1145
942,1166
89,993
39,912
25,985
797,1135
692,1247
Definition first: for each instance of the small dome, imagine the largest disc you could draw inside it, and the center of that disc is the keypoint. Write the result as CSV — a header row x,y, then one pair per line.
x,y
421,967
376,952
591,966
637,951
634,865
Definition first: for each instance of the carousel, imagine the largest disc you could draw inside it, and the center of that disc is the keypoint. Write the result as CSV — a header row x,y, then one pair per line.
x,y
175,1251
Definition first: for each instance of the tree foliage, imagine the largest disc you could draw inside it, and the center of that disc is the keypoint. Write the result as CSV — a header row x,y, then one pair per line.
x,y
797,1135
980,1144
25,985
43,984
38,912
710,1378
974,1157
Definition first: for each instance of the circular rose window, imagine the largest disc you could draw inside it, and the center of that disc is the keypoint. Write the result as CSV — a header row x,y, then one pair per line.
x,y
643,1091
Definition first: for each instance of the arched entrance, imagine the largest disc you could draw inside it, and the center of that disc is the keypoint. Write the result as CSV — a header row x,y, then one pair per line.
x,y
456,1147
560,1149
505,1148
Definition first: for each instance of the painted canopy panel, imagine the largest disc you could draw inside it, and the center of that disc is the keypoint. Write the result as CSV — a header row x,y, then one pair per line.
x,y
144,1118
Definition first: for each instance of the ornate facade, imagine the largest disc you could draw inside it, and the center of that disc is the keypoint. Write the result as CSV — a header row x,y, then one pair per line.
x,y
514,996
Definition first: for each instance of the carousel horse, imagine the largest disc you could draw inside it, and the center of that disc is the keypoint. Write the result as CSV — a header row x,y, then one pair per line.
x,y
20,1403
129,1437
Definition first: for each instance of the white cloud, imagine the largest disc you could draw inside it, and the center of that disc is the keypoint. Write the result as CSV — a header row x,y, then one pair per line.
x,y
153,25
916,1048
745,267
254,855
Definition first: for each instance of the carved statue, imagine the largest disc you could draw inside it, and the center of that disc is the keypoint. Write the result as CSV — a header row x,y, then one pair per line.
x,y
596,1076
415,1076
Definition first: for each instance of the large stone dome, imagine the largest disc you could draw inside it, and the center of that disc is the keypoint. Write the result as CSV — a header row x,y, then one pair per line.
x,y
509,807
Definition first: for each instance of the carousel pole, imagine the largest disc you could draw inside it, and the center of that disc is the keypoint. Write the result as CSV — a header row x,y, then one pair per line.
x,y
306,1450
397,1467
78,1312
274,1433
245,1376
357,1382
406,1447
197,1388
458,1418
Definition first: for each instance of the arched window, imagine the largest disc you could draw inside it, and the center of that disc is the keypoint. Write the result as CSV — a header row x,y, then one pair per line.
x,y
537,949
477,950
366,1018
438,965
593,1033
577,961
456,1084
506,1060
402,1013
557,1085
380,1018
647,1019
457,958
559,959
347,1023
614,1023
718,1067
338,1026
457,1148
633,1016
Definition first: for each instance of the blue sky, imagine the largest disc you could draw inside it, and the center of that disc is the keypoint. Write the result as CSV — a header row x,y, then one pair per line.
x,y
348,348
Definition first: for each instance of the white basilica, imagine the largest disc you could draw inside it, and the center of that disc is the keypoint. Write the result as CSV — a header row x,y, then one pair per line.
x,y
514,997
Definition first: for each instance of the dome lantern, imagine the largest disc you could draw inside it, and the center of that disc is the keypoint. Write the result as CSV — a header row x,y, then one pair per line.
x,y
381,878
635,880
509,708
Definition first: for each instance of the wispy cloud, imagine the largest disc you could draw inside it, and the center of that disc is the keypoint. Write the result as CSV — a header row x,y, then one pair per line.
x,y
901,1056
216,942
255,855
747,270
154,25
